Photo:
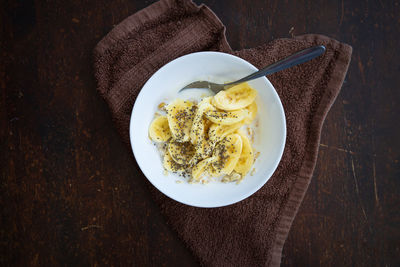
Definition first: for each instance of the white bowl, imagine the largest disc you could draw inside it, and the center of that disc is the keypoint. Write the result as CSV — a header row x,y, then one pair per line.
x,y
163,87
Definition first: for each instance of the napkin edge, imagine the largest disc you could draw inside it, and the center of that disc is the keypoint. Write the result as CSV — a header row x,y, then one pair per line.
x,y
299,188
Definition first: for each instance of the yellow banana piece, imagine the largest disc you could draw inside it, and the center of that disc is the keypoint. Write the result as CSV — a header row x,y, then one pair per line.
x,y
170,165
226,154
203,149
180,116
200,125
200,168
219,131
199,130
226,117
181,153
212,172
246,158
236,97
159,129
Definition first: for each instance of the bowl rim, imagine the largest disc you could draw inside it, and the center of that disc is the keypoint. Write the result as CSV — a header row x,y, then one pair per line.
x,y
184,57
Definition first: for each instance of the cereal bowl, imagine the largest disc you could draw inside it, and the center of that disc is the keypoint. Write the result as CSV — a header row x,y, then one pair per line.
x,y
164,85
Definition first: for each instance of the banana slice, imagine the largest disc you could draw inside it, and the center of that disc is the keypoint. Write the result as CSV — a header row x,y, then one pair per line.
x,y
203,149
252,109
212,172
181,153
200,125
226,117
219,131
246,158
199,130
170,164
180,116
159,129
227,153
236,97
201,169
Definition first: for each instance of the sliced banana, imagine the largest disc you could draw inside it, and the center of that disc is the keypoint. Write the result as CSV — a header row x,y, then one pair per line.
x,y
205,139
199,130
236,97
226,154
201,168
246,158
200,125
226,117
180,116
170,164
159,129
181,153
203,149
219,131
252,113
212,172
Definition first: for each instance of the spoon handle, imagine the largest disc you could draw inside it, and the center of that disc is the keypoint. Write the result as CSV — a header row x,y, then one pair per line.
x,y
295,59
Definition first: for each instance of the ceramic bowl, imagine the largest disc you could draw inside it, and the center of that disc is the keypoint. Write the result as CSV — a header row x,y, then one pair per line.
x,y
163,86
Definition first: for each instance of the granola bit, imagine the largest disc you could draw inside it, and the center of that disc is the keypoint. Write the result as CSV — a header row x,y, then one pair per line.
x,y
161,106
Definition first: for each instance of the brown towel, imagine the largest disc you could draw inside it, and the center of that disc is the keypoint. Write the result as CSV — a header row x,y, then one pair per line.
x,y
253,231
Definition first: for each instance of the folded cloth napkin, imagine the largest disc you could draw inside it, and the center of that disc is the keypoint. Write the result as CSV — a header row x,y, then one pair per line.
x,y
253,231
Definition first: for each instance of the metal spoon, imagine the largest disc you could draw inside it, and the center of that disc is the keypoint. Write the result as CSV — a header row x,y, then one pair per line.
x,y
295,59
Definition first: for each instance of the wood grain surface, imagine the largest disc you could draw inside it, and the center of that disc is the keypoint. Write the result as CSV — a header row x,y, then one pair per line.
x,y
71,193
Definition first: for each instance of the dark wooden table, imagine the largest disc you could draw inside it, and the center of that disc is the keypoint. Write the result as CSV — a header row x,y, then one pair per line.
x,y
71,195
